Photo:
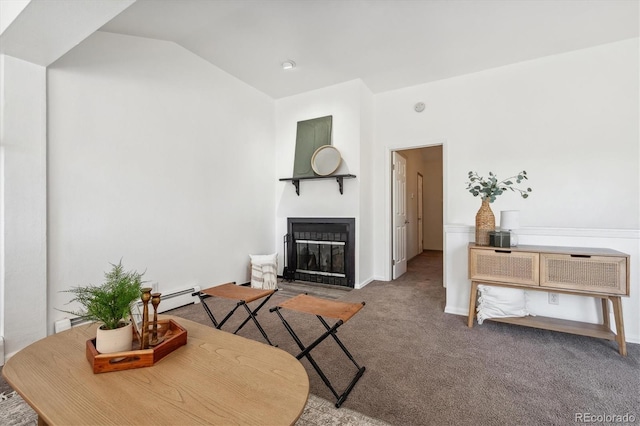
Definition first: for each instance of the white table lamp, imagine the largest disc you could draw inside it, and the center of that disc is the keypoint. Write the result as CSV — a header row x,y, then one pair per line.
x,y
510,221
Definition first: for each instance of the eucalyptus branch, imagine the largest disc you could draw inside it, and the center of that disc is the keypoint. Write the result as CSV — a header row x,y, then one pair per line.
x,y
489,188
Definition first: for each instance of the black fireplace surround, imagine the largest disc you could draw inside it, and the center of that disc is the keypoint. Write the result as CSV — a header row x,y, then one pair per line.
x,y
322,250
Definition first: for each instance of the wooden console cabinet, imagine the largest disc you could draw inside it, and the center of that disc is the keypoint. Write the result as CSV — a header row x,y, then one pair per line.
x,y
600,273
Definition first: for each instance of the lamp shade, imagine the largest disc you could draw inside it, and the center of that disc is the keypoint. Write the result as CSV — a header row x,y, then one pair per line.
x,y
509,219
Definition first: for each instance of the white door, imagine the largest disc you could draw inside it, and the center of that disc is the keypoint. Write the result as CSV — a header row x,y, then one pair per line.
x,y
420,221
399,215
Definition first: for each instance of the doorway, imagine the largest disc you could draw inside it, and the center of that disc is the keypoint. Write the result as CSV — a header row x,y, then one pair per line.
x,y
423,205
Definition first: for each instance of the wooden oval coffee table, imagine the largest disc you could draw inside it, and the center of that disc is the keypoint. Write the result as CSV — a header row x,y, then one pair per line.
x,y
216,378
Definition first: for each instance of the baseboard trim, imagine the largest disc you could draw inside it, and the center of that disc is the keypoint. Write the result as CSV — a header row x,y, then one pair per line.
x,y
365,282
455,311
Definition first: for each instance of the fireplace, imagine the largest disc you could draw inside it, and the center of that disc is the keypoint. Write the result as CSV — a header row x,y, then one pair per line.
x,y
322,250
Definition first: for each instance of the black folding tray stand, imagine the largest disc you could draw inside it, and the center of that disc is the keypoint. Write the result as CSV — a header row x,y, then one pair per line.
x,y
244,295
321,308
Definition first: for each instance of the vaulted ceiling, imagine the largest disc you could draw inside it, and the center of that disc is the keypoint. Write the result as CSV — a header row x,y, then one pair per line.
x,y
389,44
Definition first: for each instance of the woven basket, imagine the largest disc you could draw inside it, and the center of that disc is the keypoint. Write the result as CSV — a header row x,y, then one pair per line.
x,y
485,223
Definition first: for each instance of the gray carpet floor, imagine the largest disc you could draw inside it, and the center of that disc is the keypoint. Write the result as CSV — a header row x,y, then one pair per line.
x,y
426,367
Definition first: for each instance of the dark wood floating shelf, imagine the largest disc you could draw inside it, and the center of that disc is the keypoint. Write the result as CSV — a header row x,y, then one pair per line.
x,y
296,181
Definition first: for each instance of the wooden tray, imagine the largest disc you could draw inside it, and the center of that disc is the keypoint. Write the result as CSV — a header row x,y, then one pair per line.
x,y
174,337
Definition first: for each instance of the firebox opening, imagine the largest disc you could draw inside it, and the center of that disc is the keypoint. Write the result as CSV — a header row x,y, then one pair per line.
x,y
320,250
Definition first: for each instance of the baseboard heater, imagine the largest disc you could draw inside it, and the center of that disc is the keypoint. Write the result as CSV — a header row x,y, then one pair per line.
x,y
168,302
178,299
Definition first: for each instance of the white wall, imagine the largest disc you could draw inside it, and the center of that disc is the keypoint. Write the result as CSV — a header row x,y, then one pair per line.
x,y
365,240
23,236
570,121
349,104
159,158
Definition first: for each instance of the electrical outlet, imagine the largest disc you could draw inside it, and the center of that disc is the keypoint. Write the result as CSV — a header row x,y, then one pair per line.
x,y
554,298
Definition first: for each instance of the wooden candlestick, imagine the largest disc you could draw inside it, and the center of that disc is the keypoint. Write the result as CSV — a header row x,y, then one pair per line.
x,y
155,301
145,297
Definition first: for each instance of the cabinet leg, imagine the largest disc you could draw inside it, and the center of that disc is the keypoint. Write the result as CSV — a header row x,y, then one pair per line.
x,y
472,303
617,313
605,313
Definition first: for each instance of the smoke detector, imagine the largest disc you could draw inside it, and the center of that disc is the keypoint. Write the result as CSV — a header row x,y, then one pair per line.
x,y
288,65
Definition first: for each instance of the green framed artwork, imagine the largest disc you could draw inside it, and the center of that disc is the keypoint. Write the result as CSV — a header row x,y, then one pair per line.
x,y
310,135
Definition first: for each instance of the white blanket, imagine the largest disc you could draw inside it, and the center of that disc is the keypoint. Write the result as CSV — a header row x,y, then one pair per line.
x,y
264,271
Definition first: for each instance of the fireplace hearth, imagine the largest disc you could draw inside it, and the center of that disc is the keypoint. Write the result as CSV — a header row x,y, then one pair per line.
x,y
322,250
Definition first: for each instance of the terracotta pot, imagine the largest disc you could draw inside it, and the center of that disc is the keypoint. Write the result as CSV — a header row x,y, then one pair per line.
x,y
485,223
117,340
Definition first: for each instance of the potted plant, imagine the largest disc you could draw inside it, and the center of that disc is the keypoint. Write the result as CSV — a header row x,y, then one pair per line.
x,y
109,303
488,189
